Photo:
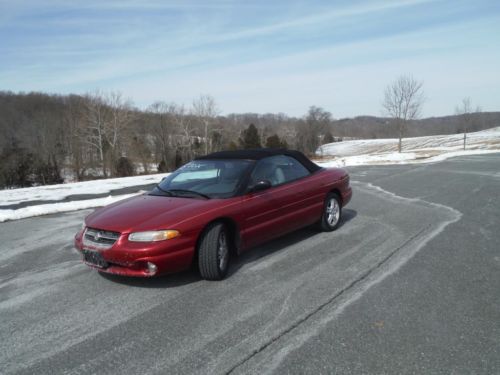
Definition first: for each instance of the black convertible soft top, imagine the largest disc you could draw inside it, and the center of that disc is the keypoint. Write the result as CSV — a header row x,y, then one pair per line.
x,y
260,153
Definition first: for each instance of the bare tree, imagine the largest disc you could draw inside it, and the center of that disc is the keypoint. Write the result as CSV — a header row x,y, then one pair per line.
x,y
205,110
465,111
74,124
184,128
121,116
96,115
162,126
310,130
49,144
403,100
107,116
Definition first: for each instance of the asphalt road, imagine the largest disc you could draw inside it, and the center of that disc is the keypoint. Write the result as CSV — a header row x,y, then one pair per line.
x,y
410,283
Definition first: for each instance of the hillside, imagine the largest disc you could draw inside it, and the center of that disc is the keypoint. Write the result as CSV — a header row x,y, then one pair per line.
x,y
371,127
415,150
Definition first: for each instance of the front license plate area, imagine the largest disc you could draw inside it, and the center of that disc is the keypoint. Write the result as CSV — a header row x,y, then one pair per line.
x,y
94,258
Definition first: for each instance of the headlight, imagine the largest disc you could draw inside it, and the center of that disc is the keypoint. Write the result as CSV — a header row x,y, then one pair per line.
x,y
153,235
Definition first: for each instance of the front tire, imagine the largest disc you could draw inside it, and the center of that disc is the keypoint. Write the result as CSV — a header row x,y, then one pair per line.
x,y
213,252
332,212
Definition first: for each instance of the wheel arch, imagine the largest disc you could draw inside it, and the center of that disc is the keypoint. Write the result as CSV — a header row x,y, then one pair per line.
x,y
234,233
337,191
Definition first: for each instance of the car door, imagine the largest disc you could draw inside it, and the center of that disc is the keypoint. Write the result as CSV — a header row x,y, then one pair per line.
x,y
266,213
305,201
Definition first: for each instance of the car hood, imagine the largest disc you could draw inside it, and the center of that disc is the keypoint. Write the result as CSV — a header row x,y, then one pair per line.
x,y
147,212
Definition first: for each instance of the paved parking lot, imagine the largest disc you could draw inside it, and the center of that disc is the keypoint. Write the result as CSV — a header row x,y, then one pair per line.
x,y
408,284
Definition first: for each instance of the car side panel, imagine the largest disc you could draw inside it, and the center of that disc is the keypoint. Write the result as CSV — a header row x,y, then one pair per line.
x,y
299,203
257,215
288,207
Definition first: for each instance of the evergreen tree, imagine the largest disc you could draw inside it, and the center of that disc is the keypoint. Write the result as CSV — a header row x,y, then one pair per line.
x,y
124,167
250,138
328,138
178,159
216,141
275,142
16,168
162,166
232,146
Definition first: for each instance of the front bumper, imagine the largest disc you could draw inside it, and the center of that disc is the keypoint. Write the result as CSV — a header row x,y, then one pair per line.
x,y
132,258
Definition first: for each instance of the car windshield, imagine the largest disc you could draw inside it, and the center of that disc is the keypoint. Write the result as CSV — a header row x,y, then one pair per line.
x,y
205,179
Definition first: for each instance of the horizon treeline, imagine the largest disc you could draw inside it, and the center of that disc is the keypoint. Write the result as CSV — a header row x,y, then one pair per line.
x,y
47,138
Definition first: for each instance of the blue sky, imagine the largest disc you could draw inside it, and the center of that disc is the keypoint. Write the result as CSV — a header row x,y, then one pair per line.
x,y
255,56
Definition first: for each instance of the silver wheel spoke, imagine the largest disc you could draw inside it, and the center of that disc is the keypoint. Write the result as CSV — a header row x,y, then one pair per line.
x,y
332,212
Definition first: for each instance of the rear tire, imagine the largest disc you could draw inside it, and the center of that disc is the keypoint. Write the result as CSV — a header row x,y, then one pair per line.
x,y
332,213
213,252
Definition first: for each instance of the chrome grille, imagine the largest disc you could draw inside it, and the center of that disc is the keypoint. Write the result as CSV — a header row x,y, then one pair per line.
x,y
102,239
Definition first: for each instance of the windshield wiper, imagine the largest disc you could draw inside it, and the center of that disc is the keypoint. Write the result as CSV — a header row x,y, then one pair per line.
x,y
173,191
167,193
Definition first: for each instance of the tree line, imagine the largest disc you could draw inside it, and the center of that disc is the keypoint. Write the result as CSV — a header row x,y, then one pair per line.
x,y
45,139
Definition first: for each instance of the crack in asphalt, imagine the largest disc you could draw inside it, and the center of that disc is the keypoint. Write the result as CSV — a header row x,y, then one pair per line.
x,y
330,301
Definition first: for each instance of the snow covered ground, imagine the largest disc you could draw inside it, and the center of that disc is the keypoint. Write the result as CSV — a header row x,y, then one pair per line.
x,y
339,154
415,150
52,208
62,191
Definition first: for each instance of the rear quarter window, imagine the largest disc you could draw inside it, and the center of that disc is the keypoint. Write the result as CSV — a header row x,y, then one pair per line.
x,y
293,169
278,170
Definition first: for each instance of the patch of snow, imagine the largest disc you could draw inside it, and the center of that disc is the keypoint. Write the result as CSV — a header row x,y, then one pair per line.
x,y
415,150
61,191
51,208
396,158
152,167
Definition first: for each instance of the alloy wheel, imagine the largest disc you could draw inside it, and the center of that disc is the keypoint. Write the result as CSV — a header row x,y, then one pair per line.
x,y
332,212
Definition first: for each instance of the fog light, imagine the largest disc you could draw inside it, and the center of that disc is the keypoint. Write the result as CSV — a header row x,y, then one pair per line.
x,y
152,268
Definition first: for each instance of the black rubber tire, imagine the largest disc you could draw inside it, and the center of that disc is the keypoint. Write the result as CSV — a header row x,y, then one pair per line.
x,y
208,254
324,225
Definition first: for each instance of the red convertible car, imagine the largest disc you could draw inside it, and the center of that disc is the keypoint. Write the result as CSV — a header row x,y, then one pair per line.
x,y
211,209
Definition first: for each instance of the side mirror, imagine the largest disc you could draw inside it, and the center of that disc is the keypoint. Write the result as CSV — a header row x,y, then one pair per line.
x,y
260,185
